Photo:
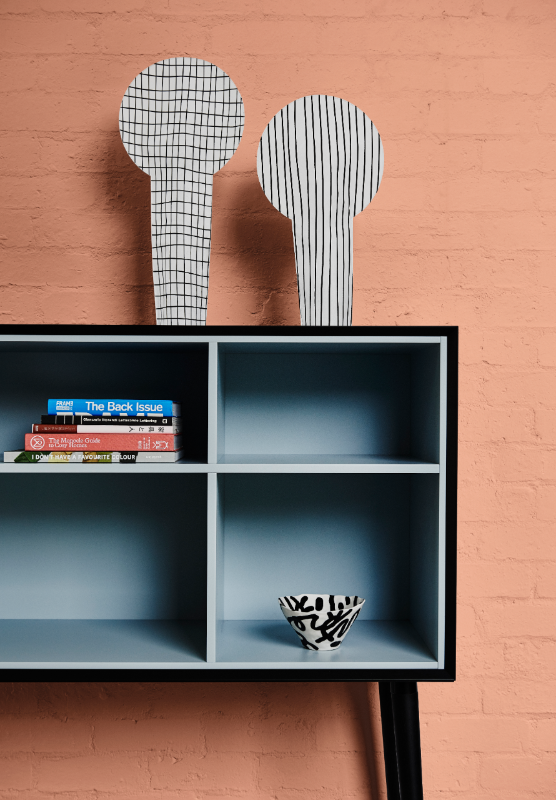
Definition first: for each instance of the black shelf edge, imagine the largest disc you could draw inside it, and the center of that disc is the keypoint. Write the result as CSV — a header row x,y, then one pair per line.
x,y
227,330
225,675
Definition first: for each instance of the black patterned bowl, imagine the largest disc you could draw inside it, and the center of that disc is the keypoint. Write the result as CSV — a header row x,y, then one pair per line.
x,y
321,620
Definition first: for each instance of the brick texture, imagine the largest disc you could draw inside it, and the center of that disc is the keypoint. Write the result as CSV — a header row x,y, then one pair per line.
x,y
462,232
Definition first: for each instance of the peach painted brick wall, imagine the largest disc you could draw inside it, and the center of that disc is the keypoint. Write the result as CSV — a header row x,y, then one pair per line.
x,y
462,232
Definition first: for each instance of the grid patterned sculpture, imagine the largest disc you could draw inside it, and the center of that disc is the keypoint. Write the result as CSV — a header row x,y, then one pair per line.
x,y
181,120
320,162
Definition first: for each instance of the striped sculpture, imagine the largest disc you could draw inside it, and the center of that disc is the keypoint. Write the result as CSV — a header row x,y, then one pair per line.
x,y
320,162
181,120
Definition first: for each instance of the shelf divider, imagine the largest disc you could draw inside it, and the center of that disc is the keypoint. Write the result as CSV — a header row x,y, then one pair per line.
x,y
212,577
212,447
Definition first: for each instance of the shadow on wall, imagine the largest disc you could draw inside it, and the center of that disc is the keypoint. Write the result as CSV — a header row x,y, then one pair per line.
x,y
365,703
252,251
322,738
128,199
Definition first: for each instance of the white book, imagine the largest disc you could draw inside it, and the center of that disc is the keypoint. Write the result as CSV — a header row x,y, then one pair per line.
x,y
84,457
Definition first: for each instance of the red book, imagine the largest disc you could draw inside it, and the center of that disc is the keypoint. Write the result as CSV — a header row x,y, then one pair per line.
x,y
54,428
103,441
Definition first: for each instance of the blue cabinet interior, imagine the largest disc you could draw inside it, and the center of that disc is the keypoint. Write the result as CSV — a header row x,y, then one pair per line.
x,y
327,475
360,401
334,534
103,547
33,373
123,548
330,534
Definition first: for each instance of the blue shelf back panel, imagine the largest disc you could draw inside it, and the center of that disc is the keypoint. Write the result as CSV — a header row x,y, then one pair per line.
x,y
317,403
331,403
296,533
102,547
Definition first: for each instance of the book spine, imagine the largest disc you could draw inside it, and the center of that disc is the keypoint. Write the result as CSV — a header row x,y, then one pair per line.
x,y
137,429
103,441
80,457
175,423
116,408
35,428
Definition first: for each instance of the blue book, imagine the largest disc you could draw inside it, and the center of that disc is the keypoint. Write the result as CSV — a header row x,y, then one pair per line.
x,y
116,408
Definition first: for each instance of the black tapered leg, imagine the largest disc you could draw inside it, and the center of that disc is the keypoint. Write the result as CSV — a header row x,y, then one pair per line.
x,y
389,740
399,708
405,706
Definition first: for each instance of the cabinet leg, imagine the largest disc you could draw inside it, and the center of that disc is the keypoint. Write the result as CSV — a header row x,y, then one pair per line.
x,y
389,740
399,708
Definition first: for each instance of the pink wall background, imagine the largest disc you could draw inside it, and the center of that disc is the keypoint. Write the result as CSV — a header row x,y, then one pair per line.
x,y
462,232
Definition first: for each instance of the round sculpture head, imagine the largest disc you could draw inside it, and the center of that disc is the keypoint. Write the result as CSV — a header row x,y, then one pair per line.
x,y
320,154
181,113
320,162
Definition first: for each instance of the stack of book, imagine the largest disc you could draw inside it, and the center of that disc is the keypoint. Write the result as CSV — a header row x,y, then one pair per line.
x,y
104,432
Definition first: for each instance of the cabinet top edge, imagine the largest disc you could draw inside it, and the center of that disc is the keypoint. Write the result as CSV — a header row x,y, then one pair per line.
x,y
200,340
215,333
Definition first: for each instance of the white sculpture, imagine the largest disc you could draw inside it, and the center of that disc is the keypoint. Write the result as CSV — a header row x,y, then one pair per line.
x,y
181,120
320,162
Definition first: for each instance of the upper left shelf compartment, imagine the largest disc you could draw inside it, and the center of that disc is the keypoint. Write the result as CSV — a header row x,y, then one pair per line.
x,y
33,371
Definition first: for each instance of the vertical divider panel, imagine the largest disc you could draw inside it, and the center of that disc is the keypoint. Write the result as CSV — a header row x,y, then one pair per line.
x,y
442,501
221,431
212,571
212,501
212,403
220,491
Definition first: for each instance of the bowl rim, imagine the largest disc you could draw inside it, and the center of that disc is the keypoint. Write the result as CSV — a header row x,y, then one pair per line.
x,y
313,594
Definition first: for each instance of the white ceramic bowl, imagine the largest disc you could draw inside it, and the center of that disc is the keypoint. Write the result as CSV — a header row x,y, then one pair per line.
x,y
321,620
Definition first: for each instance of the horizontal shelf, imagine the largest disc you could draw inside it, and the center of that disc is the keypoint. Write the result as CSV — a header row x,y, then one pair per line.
x,y
373,644
39,642
322,463
174,644
243,464
177,468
